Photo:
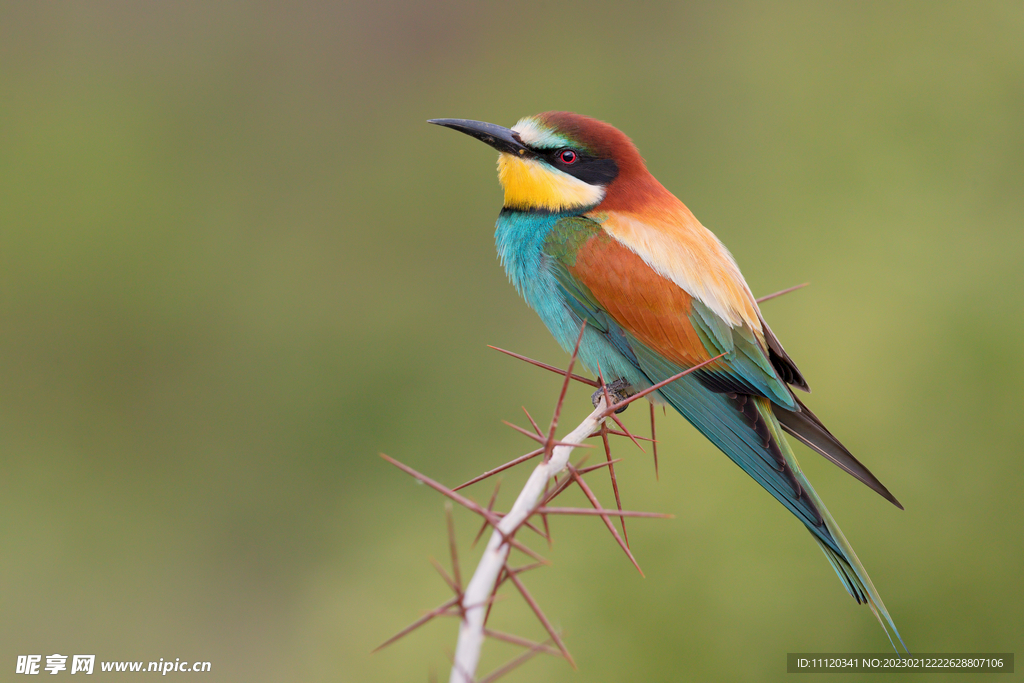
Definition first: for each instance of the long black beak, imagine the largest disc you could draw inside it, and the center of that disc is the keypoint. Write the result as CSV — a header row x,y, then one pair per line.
x,y
498,137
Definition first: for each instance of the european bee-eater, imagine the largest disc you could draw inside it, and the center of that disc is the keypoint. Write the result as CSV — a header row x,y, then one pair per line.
x,y
587,234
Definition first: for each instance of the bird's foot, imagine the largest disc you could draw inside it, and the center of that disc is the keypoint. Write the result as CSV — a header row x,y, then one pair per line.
x,y
619,390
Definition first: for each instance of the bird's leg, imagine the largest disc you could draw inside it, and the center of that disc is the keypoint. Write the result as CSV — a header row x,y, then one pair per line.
x,y
619,390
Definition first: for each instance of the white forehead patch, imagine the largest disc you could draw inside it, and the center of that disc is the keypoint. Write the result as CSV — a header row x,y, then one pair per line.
x,y
534,134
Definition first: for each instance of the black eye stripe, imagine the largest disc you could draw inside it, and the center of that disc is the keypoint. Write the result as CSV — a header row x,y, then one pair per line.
x,y
593,171
589,169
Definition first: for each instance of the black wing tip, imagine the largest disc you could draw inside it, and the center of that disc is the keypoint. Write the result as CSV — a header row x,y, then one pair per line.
x,y
808,429
883,492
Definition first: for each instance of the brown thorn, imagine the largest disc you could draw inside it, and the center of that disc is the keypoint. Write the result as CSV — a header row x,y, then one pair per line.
x,y
516,640
659,385
540,616
562,486
516,662
654,441
604,511
615,417
533,422
782,291
534,529
502,468
452,547
615,432
561,397
476,539
447,579
525,567
615,482
494,592
490,507
607,522
441,488
552,368
526,550
416,624
547,442
606,463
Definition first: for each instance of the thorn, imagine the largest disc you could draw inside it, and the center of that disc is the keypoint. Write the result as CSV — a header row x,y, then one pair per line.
x,y
494,592
552,368
562,486
447,579
526,567
461,500
516,640
533,422
632,438
516,662
416,624
541,439
531,527
490,508
640,394
607,522
654,441
782,291
601,512
526,550
502,468
584,470
452,547
615,482
615,432
561,397
540,616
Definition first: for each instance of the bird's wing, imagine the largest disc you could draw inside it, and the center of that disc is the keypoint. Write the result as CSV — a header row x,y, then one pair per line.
x,y
670,240
665,330
602,273
661,329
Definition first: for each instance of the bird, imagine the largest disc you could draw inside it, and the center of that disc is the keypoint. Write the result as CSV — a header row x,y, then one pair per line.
x,y
593,242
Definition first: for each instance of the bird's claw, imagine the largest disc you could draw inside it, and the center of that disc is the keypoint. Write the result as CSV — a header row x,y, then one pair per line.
x,y
618,391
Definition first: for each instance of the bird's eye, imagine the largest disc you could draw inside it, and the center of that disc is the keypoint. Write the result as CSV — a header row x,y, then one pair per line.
x,y
567,156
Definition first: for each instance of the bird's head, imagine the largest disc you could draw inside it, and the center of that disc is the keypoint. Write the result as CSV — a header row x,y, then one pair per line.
x,y
556,161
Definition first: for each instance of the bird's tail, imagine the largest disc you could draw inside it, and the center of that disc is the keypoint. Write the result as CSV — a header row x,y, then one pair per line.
x,y
748,432
848,566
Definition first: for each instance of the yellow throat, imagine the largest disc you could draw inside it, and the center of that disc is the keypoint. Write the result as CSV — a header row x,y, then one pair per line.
x,y
532,184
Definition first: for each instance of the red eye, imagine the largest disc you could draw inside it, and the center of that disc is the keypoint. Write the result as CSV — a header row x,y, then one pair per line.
x,y
567,156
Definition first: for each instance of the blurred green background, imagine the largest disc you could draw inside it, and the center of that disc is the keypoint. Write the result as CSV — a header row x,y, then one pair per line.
x,y
236,264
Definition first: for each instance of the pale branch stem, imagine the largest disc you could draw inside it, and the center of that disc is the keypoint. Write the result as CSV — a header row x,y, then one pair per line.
x,y
480,587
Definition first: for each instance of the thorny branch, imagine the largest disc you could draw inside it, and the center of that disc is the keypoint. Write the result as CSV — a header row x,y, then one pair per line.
x,y
473,603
